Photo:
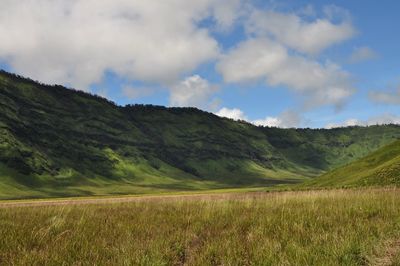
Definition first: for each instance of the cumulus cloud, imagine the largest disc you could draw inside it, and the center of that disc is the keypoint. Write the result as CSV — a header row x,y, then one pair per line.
x,y
193,91
269,121
76,42
385,97
374,120
286,119
226,13
309,37
278,48
362,54
346,123
159,42
262,58
235,114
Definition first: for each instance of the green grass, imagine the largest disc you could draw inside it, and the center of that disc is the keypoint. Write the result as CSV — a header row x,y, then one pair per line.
x,y
132,179
380,168
336,227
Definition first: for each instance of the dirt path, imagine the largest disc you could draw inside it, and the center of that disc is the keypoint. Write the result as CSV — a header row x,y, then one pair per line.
x,y
392,248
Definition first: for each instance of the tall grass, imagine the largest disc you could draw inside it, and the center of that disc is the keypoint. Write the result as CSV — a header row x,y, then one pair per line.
x,y
346,227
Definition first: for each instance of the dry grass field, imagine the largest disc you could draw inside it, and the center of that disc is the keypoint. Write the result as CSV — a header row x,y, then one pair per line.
x,y
326,227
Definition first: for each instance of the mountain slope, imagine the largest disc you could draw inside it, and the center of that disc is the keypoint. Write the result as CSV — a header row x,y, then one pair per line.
x,y
56,142
380,168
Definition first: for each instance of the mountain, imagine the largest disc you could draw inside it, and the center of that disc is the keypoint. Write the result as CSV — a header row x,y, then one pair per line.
x,y
59,142
380,168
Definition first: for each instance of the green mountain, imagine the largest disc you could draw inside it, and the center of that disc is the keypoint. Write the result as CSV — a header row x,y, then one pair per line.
x,y
380,168
58,142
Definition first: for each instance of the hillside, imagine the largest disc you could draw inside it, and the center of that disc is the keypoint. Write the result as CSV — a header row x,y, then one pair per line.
x,y
57,142
380,168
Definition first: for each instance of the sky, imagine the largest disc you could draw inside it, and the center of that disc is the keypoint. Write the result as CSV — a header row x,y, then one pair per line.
x,y
286,63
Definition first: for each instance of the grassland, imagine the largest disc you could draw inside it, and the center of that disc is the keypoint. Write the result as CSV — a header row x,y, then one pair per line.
x,y
346,227
379,168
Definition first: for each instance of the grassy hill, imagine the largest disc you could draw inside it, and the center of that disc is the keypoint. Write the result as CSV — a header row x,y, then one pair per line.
x,y
381,167
60,142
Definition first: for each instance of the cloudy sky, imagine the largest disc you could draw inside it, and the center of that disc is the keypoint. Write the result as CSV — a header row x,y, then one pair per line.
x,y
288,63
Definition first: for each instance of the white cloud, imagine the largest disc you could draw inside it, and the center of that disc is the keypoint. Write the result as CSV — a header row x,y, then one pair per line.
x,y
286,119
374,120
269,121
352,122
361,54
226,12
297,33
235,114
158,42
262,58
251,60
193,91
386,97
76,42
384,119
346,123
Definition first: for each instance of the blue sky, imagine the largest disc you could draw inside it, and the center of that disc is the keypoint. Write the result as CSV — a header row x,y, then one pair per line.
x,y
274,63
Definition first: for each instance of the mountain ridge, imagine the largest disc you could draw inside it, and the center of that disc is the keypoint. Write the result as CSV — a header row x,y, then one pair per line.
x,y
57,141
